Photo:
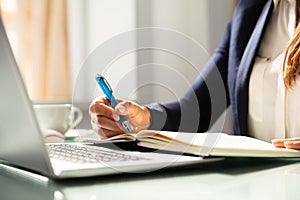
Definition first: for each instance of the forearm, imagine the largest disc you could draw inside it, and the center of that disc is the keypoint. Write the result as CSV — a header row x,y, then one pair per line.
x,y
204,102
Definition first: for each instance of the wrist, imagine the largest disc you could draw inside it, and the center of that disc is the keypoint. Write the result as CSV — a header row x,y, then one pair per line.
x,y
147,117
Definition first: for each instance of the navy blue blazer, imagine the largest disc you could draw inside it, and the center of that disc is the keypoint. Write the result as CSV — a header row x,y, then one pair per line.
x,y
233,60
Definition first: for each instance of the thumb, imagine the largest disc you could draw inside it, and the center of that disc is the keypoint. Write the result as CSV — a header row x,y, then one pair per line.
x,y
279,143
127,108
139,116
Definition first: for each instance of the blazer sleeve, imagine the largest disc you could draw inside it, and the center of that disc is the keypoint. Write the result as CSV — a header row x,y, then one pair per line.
x,y
203,103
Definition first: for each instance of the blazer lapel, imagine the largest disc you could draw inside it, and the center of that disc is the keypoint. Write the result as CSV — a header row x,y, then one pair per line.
x,y
244,71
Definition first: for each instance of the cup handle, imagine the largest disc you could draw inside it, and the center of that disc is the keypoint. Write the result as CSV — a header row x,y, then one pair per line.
x,y
76,112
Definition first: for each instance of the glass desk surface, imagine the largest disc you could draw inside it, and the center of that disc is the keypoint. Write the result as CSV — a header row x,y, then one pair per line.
x,y
232,178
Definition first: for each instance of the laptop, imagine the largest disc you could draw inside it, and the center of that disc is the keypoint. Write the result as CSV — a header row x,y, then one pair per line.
x,y
22,145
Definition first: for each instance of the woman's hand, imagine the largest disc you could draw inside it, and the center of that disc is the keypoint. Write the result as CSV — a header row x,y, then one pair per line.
x,y
290,143
104,118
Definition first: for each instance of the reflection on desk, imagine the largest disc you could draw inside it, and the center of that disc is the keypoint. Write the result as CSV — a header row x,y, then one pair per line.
x,y
233,178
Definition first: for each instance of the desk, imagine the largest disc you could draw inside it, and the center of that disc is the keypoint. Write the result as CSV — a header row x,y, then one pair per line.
x,y
232,178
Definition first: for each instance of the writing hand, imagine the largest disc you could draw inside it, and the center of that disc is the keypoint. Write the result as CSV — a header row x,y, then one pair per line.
x,y
104,118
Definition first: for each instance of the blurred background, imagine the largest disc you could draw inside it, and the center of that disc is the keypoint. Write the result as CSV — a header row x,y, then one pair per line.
x,y
52,39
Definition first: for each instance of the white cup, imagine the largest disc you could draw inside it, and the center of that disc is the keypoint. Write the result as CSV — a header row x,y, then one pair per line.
x,y
58,117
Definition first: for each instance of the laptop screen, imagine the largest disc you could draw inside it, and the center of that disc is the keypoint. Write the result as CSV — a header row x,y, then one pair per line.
x,y
20,140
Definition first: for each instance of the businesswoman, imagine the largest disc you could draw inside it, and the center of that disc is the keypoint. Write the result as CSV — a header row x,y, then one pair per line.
x,y
259,62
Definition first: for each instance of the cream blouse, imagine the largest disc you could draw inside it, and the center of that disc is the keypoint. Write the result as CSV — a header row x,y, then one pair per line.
x,y
274,112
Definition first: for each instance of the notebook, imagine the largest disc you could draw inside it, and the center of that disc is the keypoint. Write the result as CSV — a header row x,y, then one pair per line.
x,y
22,144
201,144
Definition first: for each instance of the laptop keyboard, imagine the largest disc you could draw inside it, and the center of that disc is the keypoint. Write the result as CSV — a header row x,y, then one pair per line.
x,y
86,154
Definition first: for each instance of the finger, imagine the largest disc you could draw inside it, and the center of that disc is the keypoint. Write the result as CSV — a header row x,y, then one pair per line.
x,y
292,139
139,115
101,109
113,125
292,145
107,123
105,133
279,143
127,108
101,99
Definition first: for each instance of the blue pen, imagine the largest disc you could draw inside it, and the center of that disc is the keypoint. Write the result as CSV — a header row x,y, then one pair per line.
x,y
104,85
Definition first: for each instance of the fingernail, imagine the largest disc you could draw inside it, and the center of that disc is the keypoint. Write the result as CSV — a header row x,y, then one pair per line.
x,y
287,143
121,109
116,117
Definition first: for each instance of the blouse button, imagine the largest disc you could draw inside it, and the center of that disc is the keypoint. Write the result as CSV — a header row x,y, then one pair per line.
x,y
268,59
